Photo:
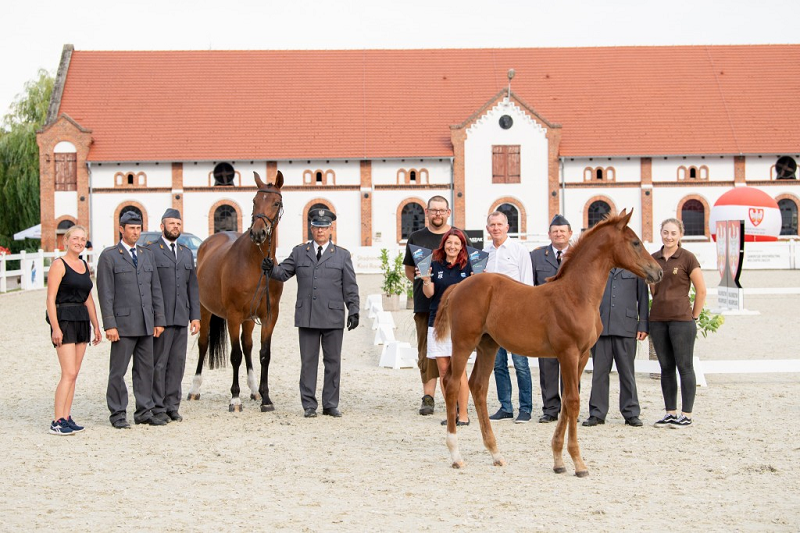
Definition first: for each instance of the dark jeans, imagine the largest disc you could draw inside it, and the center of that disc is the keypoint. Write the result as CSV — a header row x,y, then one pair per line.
x,y
503,380
674,344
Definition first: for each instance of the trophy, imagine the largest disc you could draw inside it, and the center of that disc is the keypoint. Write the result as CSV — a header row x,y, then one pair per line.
x,y
478,259
422,259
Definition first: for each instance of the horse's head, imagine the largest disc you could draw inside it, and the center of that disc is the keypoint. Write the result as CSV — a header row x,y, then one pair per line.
x,y
267,209
629,251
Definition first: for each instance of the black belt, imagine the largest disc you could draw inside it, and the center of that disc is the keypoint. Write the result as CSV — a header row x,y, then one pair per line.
x,y
59,306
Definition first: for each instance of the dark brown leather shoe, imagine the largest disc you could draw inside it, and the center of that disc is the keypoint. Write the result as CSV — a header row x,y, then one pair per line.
x,y
121,424
152,421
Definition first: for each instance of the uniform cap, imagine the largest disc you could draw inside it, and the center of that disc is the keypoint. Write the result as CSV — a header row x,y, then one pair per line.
x,y
559,220
171,213
130,217
321,218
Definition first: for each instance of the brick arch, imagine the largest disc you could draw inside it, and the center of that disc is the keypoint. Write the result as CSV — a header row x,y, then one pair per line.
x,y
305,216
59,238
523,215
590,201
706,210
230,203
119,209
793,198
399,214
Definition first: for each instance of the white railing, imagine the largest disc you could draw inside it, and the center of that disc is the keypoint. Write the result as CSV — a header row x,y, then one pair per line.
x,y
32,269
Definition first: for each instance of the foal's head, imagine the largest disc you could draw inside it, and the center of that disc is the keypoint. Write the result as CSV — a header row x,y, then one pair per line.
x,y
267,209
628,251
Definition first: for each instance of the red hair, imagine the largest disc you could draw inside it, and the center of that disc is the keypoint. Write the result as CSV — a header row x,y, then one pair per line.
x,y
440,255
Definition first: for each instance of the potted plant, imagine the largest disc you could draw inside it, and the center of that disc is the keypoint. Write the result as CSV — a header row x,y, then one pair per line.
x,y
409,294
393,277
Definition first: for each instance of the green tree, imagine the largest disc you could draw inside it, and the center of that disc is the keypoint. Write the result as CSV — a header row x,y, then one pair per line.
x,y
19,158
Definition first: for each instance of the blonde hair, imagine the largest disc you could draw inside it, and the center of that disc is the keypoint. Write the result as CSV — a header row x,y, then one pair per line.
x,y
73,229
678,223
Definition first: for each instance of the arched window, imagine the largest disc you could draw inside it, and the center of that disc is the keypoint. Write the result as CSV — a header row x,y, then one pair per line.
x,y
512,213
599,173
225,219
311,209
693,215
224,174
319,177
64,225
693,173
788,217
130,208
412,218
597,212
412,176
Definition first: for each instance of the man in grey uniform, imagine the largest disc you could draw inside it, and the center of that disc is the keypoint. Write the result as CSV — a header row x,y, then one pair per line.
x,y
176,272
130,299
625,315
326,286
546,261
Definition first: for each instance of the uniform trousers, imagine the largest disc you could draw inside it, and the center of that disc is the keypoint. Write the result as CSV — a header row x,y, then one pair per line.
x,y
141,348
608,350
550,382
169,363
310,341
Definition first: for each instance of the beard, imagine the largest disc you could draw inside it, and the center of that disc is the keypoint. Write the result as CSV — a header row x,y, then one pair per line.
x,y
442,221
172,235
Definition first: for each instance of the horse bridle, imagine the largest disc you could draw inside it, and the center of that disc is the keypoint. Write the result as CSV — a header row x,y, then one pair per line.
x,y
270,224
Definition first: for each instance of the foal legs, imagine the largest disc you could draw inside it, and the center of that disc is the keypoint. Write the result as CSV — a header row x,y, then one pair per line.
x,y
571,369
202,342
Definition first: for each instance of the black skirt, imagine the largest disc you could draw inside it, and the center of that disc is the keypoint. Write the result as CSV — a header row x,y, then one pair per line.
x,y
74,332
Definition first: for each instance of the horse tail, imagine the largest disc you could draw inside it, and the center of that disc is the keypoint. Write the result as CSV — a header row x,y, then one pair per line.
x,y
441,326
217,342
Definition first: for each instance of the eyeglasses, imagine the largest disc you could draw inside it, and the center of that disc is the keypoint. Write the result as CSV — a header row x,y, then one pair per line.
x,y
438,211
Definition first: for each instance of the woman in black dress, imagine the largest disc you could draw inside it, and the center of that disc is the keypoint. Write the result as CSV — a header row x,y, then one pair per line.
x,y
70,310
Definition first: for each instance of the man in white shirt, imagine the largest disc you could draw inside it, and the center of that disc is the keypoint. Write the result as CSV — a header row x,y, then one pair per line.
x,y
509,257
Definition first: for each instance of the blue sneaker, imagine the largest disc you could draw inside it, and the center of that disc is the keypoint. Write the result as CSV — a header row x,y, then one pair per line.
x,y
73,425
60,427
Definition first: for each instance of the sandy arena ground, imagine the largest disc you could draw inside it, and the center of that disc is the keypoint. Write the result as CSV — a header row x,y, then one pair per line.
x,y
382,467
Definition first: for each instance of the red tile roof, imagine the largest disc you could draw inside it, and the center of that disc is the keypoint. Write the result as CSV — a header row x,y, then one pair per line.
x,y
215,105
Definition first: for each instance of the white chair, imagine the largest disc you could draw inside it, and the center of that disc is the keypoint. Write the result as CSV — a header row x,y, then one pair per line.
x,y
398,355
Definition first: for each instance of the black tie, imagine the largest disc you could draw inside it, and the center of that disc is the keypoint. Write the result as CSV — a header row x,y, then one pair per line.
x,y
558,256
319,252
172,245
135,259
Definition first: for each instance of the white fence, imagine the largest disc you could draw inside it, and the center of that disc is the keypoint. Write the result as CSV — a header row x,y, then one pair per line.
x,y
33,268
780,255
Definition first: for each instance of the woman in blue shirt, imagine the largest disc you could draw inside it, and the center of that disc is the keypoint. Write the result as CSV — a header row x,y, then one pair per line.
x,y
450,265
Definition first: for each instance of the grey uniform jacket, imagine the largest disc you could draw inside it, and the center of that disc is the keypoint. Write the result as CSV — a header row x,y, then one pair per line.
x,y
130,298
624,307
325,288
544,264
178,283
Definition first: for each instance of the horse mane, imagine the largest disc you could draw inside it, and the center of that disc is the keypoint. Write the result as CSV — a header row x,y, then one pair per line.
x,y
576,247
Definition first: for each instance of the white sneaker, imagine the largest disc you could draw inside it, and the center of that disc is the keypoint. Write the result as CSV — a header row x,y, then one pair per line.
x,y
681,422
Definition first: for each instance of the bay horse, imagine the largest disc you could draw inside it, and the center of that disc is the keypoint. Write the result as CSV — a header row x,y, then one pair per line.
x,y
558,319
234,290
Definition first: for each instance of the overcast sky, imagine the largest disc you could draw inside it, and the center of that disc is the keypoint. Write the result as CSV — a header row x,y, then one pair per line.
x,y
33,34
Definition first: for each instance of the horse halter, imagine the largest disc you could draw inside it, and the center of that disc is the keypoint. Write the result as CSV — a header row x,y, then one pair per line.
x,y
269,223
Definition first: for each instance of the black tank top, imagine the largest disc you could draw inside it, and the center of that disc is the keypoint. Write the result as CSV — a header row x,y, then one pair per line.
x,y
72,294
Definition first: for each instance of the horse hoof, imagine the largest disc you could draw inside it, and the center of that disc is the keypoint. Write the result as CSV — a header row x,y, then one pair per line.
x,y
267,408
458,464
581,473
193,396
559,469
255,397
499,462
234,408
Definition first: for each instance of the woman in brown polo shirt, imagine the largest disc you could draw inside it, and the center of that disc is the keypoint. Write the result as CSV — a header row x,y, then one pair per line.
x,y
672,322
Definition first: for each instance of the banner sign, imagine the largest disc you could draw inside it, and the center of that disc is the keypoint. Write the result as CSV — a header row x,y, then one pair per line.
x,y
730,256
